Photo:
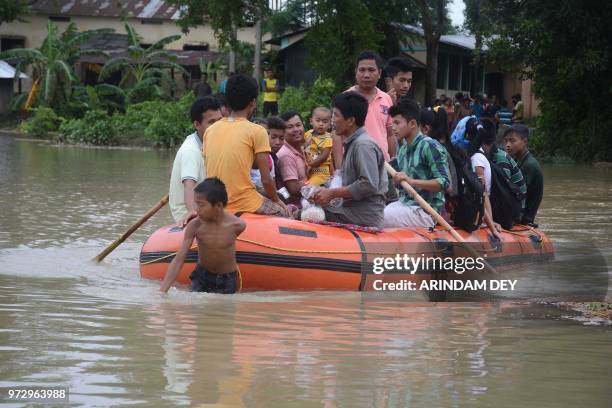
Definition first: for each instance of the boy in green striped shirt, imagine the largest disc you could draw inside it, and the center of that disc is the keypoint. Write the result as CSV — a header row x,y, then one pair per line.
x,y
423,164
505,161
511,169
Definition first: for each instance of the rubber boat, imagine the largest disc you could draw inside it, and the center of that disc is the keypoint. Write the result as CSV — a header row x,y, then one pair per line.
x,y
281,254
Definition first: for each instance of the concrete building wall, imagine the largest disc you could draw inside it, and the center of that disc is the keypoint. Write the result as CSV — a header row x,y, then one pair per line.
x,y
35,30
513,86
529,99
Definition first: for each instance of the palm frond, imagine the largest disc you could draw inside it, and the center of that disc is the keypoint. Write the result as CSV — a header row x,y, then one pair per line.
x,y
142,87
161,55
160,74
24,54
164,41
136,51
47,87
63,70
133,37
108,90
111,66
49,46
169,65
17,102
69,33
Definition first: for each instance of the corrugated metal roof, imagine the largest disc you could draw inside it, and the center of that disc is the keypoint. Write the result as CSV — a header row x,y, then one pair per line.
x,y
7,71
464,41
149,9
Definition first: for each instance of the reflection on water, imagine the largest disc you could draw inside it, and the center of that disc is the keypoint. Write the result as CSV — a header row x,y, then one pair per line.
x,y
107,335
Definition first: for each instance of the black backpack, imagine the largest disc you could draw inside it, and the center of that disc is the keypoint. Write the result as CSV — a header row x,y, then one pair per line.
x,y
469,208
505,197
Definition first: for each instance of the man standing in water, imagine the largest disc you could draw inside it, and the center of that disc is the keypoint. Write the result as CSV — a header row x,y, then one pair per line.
x,y
188,168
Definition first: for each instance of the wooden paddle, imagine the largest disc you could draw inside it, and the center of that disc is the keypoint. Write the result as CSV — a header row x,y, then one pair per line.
x,y
131,230
438,218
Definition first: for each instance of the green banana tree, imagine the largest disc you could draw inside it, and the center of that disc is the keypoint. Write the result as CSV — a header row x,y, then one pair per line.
x,y
144,70
105,97
53,64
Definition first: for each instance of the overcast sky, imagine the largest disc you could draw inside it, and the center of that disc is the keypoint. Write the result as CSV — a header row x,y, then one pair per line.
x,y
455,11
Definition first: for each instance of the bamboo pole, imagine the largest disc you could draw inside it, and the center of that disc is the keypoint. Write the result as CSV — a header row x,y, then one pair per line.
x,y
438,218
131,230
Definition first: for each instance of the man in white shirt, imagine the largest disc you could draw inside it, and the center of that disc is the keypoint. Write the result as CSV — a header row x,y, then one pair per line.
x,y
189,168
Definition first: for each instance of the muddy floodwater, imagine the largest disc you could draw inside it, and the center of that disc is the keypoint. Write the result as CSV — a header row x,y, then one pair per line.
x,y
112,340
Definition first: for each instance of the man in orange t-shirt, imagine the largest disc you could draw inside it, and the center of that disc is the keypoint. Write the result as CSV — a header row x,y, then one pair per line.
x,y
233,144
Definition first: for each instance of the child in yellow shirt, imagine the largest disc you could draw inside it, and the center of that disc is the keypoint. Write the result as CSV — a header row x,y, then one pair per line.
x,y
318,147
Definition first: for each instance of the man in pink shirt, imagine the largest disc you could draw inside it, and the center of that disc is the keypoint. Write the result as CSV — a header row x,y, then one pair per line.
x,y
291,159
378,121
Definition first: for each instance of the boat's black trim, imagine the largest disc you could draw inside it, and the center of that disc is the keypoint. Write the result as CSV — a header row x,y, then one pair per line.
x,y
364,260
260,258
304,262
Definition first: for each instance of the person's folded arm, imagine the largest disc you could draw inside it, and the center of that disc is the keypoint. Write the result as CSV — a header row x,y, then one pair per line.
x,y
367,182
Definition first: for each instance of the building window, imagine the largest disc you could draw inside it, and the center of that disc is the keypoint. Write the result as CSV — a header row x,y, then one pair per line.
x,y
8,43
195,47
465,75
154,21
59,18
454,72
442,68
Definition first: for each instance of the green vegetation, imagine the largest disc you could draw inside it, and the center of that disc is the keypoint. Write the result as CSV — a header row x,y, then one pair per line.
x,y
94,128
43,121
564,47
53,65
153,123
138,111
11,10
304,99
144,70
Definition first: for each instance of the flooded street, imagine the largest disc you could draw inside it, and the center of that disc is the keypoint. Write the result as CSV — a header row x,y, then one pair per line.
x,y
112,340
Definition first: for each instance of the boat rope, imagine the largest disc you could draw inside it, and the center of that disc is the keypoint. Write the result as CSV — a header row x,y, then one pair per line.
x,y
528,228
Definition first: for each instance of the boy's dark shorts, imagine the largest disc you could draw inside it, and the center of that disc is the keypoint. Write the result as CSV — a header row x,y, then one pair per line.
x,y
205,281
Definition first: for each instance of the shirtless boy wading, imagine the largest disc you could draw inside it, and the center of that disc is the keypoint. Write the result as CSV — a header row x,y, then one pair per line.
x,y
216,231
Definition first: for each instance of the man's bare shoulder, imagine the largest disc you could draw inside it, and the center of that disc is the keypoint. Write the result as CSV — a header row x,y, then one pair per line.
x,y
236,223
194,226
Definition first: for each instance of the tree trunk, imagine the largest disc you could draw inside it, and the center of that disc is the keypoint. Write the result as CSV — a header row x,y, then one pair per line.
x,y
477,29
232,53
475,82
257,61
431,74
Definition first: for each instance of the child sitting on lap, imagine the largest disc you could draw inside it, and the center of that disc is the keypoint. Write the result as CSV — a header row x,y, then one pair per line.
x,y
216,231
318,147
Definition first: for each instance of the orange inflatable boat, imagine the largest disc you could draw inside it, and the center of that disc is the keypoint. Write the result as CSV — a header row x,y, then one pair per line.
x,y
281,254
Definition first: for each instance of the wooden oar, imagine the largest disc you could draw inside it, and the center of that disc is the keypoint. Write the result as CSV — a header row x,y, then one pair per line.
x,y
438,218
131,230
